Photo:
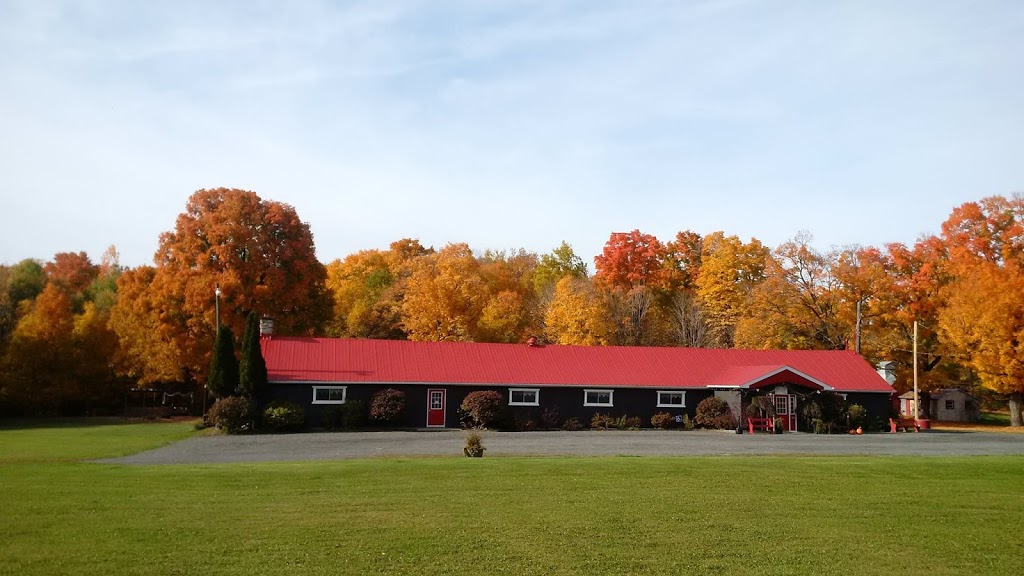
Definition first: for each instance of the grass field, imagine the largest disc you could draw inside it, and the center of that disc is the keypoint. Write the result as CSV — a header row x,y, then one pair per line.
x,y
716,515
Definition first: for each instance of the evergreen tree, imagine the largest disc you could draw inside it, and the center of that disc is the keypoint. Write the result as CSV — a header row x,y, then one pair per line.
x,y
253,376
223,379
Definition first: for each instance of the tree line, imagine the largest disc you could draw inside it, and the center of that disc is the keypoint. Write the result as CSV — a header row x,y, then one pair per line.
x,y
74,335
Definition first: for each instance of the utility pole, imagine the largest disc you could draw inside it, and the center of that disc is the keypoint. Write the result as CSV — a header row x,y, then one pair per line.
x,y
917,406
857,344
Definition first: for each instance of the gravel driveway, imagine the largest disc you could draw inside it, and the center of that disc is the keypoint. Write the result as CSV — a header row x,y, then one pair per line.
x,y
341,445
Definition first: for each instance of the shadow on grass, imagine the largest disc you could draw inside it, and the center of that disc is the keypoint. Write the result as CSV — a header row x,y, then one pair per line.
x,y
84,422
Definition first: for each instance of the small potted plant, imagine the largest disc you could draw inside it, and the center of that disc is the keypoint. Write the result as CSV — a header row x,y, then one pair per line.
x,y
474,447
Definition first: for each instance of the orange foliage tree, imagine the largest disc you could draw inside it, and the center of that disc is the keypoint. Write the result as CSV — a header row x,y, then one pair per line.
x,y
444,296
260,254
982,319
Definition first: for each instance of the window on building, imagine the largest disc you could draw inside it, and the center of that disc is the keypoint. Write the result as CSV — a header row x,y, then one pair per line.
x,y
329,394
597,397
523,397
670,399
949,404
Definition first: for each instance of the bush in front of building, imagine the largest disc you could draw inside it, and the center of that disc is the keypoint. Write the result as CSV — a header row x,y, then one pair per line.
x,y
550,419
351,416
283,416
482,409
625,422
715,413
601,421
825,413
663,420
572,424
232,414
388,406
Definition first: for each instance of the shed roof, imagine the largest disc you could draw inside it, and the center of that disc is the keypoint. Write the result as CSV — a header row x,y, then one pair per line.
x,y
396,361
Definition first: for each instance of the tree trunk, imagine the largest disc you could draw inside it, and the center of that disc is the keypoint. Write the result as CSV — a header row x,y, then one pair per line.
x,y
1016,401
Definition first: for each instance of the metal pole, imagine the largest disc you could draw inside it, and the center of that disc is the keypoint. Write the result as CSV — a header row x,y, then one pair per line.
x,y
917,406
216,300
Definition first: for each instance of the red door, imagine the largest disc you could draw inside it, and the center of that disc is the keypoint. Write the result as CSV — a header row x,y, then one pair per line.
x,y
435,407
785,408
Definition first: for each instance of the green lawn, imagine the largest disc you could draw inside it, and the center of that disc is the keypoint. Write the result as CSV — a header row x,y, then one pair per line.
x,y
995,418
83,439
720,515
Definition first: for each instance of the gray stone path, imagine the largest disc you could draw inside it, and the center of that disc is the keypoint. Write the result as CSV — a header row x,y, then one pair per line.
x,y
342,445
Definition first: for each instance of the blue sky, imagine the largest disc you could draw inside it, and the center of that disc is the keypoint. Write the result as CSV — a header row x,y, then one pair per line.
x,y
506,124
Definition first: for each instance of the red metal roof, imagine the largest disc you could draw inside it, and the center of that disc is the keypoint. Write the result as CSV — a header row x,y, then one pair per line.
x,y
398,361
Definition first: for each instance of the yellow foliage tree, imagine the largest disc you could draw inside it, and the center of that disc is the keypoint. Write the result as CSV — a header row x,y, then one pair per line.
x,y
444,296
577,314
729,271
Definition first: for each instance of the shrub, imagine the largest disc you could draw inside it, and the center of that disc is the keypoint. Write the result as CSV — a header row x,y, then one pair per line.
x,y
524,421
602,421
663,420
857,415
332,417
283,416
351,415
231,414
474,446
482,408
387,406
761,407
572,424
715,413
687,423
824,411
627,422
549,418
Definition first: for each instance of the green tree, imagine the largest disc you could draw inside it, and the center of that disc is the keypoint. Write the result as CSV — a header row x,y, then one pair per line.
x,y
252,367
26,280
223,380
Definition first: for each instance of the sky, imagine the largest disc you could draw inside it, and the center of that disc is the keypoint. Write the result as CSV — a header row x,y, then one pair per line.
x,y
506,124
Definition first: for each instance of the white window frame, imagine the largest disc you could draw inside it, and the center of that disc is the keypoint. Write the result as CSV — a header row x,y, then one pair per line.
x,y
344,394
536,396
611,397
682,403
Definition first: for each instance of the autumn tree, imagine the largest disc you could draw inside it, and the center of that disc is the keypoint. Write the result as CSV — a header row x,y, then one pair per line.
x,y
259,252
561,262
61,347
577,314
148,350
631,259
35,363
72,272
798,304
982,318
444,296
729,271
682,263
368,288
688,323
512,312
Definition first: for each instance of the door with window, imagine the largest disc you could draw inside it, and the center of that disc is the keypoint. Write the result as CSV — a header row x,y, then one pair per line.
x,y
435,407
785,408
